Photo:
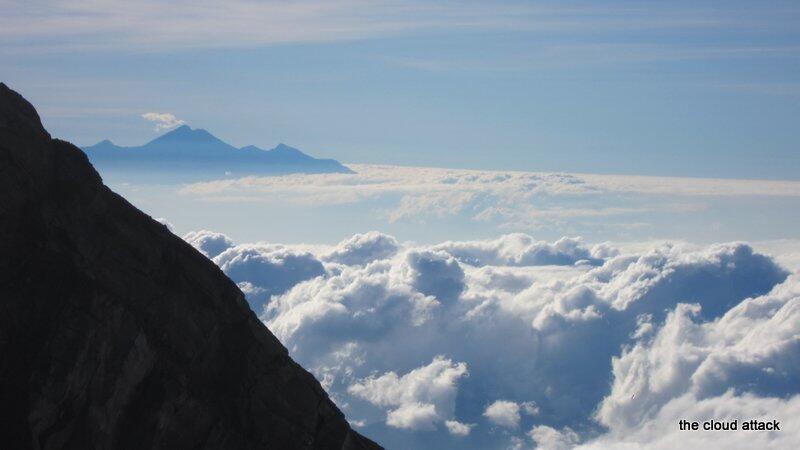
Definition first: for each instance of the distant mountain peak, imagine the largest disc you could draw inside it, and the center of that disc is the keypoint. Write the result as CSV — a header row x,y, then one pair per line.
x,y
184,148
104,145
185,133
283,148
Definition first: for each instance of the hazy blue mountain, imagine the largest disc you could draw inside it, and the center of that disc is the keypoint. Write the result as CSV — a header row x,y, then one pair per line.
x,y
197,151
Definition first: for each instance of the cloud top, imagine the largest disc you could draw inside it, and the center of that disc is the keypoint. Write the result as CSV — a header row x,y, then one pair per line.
x,y
519,342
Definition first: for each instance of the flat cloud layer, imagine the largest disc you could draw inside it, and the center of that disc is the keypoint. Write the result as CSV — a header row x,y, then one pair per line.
x,y
507,200
514,342
372,180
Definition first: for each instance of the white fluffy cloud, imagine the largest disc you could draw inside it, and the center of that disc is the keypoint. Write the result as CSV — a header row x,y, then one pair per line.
x,y
420,399
549,344
269,269
363,248
660,430
508,414
754,347
208,243
457,428
521,250
503,413
548,438
163,121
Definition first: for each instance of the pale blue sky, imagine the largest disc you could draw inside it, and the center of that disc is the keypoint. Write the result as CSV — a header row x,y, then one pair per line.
x,y
671,88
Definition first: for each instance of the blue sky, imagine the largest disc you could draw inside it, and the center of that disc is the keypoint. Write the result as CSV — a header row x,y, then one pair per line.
x,y
685,88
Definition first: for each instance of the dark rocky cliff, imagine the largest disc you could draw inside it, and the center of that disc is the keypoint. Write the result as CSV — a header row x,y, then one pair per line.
x,y
114,333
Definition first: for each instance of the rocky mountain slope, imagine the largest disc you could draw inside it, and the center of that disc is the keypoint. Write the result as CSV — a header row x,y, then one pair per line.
x,y
114,333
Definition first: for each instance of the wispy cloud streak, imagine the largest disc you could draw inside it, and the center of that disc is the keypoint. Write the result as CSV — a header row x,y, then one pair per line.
x,y
153,26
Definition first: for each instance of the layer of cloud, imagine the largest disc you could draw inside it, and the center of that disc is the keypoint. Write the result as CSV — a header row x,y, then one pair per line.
x,y
519,342
511,200
163,121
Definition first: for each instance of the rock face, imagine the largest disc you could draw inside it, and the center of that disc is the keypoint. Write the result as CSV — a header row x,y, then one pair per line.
x,y
114,333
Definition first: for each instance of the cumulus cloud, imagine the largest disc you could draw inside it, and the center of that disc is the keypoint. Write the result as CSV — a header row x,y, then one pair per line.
x,y
163,121
548,438
508,414
530,408
436,274
521,250
357,303
208,243
413,416
660,431
457,428
260,270
420,399
363,248
503,413
564,343
272,269
754,347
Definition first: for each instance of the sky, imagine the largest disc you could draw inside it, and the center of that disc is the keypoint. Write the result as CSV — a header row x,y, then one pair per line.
x,y
570,224
709,89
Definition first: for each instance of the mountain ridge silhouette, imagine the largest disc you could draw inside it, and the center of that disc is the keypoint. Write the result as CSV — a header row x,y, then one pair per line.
x,y
186,149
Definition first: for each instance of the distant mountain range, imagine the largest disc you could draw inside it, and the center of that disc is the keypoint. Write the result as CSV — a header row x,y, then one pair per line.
x,y
196,150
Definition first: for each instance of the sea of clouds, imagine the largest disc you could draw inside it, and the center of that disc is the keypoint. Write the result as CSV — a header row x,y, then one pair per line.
x,y
514,200
520,343
435,204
